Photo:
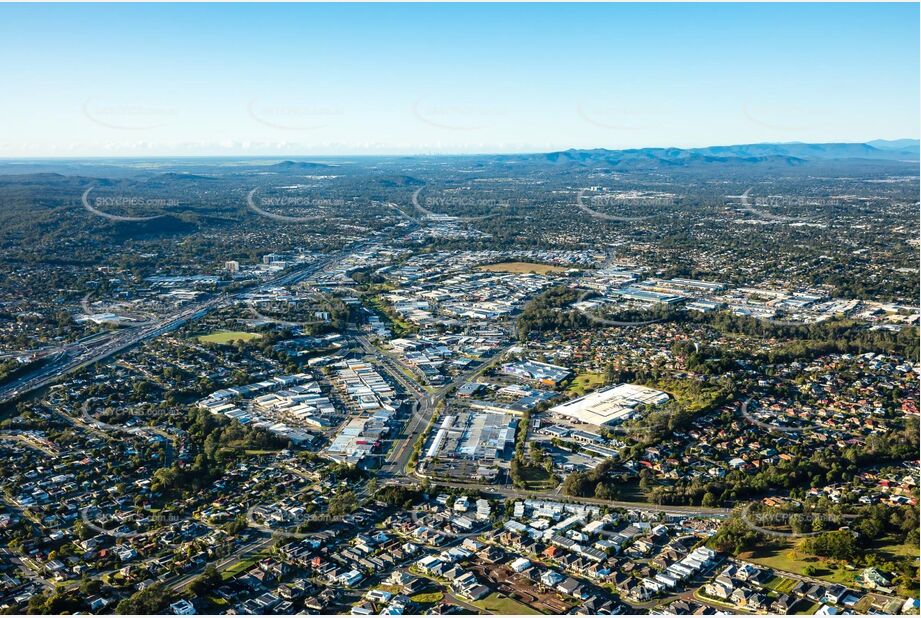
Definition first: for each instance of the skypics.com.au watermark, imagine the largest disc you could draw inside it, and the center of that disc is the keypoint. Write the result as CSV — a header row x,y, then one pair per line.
x,y
152,522
455,202
122,201
456,116
624,200
128,116
780,201
301,202
592,312
285,523
288,201
766,522
459,202
294,116
746,204
773,427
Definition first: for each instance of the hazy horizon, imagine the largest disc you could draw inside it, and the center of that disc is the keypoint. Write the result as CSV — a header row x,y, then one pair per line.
x,y
392,80
240,156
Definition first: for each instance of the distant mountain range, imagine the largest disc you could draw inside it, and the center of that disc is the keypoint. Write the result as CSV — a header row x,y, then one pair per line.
x,y
794,153
890,155
295,166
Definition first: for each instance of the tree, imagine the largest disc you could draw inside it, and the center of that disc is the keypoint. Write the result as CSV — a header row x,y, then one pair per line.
x,y
150,600
342,504
839,545
206,582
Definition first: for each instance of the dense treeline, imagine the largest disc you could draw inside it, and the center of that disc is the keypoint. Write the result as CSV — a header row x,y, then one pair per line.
x,y
398,496
828,534
811,340
806,469
595,483
150,600
546,312
218,443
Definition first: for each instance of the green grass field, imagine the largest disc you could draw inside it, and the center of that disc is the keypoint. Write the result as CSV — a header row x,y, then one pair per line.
x,y
398,325
893,549
217,601
808,610
244,565
781,584
537,478
225,337
585,382
631,492
700,596
427,597
787,558
238,567
501,604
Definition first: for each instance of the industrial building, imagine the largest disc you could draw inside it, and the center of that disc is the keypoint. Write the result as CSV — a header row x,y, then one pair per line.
x,y
543,373
611,405
471,444
647,296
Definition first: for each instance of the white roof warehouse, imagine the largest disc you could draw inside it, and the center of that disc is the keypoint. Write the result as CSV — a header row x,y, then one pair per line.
x,y
611,405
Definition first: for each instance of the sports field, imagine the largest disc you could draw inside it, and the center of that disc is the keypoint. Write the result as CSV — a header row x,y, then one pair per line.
x,y
522,267
225,337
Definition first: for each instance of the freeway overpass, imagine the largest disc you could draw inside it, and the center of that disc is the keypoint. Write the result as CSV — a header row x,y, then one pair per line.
x,y
78,355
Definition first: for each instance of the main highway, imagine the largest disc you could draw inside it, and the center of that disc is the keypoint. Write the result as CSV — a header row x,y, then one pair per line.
x,y
427,400
78,355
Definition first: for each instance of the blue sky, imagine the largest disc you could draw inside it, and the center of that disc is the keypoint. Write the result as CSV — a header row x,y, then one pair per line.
x,y
212,79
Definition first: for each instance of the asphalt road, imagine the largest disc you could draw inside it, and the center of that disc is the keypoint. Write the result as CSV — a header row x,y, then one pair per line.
x,y
77,355
424,407
180,582
394,469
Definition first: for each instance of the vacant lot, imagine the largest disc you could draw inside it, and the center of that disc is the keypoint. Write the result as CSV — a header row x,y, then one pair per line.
x,y
224,337
536,478
781,584
585,382
522,267
427,597
497,603
787,558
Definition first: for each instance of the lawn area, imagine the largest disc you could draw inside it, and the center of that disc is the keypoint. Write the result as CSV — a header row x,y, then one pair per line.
x,y
536,478
522,267
808,611
244,565
781,584
585,382
501,604
689,393
238,567
734,609
785,557
893,549
427,597
631,492
224,337
217,601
